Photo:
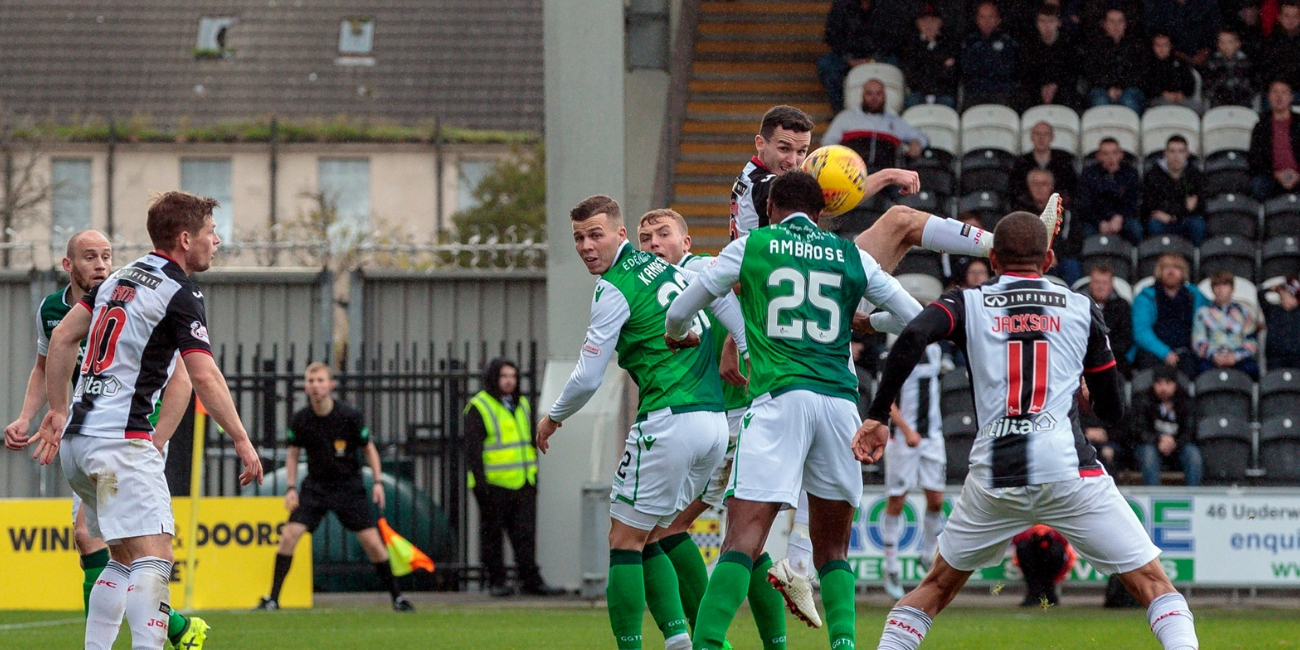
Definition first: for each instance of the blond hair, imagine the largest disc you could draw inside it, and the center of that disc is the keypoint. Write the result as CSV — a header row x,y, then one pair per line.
x,y
652,217
318,366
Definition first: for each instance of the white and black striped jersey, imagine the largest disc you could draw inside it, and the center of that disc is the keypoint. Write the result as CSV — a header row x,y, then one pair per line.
x,y
749,198
144,316
1029,342
918,402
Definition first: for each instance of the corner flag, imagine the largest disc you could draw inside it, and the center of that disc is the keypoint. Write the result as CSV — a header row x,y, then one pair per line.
x,y
403,557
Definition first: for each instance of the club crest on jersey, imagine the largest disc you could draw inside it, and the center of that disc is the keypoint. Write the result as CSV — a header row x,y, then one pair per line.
x,y
122,294
1024,298
199,331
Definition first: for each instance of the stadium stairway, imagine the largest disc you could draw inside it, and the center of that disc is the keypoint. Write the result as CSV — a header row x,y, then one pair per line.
x,y
749,55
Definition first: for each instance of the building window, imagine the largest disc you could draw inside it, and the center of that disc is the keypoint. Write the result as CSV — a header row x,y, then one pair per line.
x,y
345,185
70,203
212,38
470,174
356,36
211,177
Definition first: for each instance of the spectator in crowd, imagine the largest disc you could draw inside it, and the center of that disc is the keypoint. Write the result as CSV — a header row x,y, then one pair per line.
x,y
930,62
977,273
1118,313
1223,334
1283,322
1068,244
1094,12
1164,429
856,33
1171,195
1274,146
1043,156
988,63
1243,18
1109,195
1114,70
874,132
1228,74
955,266
1049,64
1162,318
1071,14
1194,24
1168,79
1281,50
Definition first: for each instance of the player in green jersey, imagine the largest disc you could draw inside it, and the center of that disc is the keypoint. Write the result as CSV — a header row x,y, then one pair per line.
x,y
88,261
680,435
800,287
664,233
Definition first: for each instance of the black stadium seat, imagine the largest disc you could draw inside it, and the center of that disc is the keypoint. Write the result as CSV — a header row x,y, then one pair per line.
x,y
934,166
1282,216
927,201
956,394
1224,392
986,170
1111,249
1226,172
1225,448
1281,256
1279,449
1142,380
1228,253
1153,247
988,205
959,430
1279,393
1232,214
920,260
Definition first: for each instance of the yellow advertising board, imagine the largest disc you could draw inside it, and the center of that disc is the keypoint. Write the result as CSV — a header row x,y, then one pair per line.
x,y
237,538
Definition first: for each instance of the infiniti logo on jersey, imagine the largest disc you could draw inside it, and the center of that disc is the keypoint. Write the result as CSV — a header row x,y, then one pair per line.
x,y
1024,298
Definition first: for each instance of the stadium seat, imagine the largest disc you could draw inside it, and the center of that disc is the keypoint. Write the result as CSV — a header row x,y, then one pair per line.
x,y
959,431
990,126
956,396
1117,122
925,288
1065,127
1227,128
1142,380
939,123
1281,256
1162,122
925,201
1111,249
1121,287
1232,214
888,74
920,260
1279,393
1228,253
1153,247
1226,171
1282,216
1224,392
1279,448
1225,445
988,205
986,170
934,166
1243,291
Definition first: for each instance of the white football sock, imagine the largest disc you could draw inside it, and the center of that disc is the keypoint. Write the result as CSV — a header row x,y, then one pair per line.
x,y
905,628
930,531
680,642
890,528
1171,621
799,548
147,608
107,603
952,236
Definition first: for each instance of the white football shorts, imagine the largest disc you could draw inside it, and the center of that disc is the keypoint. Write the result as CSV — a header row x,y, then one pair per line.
x,y
121,485
667,461
715,493
909,468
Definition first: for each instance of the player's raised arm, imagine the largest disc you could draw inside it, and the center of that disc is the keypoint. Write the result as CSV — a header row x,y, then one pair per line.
x,y
885,292
713,282
65,342
175,401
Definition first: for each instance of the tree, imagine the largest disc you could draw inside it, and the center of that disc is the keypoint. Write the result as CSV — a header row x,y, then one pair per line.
x,y
23,187
512,194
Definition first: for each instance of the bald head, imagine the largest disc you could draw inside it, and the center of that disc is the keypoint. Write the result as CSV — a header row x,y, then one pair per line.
x,y
89,260
86,239
1020,240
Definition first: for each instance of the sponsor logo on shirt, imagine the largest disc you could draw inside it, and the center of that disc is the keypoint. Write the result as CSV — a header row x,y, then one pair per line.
x,y
1024,298
1019,426
199,331
340,447
138,276
107,385
589,350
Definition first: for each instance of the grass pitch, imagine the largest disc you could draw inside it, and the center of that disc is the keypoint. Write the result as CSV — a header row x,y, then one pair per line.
x,y
581,627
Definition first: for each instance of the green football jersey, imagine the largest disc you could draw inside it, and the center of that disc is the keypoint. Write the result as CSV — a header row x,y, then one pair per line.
x,y
735,397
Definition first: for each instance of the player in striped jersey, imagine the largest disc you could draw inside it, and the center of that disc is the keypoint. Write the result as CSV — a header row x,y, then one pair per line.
x,y
1029,342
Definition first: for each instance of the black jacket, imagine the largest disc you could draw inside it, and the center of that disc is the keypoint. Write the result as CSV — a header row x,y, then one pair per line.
x,y
932,68
1281,58
1042,64
1161,192
1061,164
1170,74
1261,144
1147,425
854,33
476,430
1119,318
1114,65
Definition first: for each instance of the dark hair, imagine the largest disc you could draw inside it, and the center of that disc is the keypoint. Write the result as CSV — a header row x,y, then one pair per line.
x,y
1223,276
1102,268
594,205
994,3
1049,10
786,117
492,376
172,213
1155,35
1289,3
1020,238
1280,80
1105,140
1176,138
797,191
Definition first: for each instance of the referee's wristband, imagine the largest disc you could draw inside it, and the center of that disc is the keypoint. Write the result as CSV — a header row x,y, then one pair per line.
x,y
286,490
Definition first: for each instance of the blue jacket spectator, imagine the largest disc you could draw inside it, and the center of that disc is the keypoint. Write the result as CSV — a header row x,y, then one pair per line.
x,y
1162,318
1193,24
1110,194
989,60
857,33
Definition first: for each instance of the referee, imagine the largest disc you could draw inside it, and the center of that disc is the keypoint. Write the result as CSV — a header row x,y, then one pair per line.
x,y
332,433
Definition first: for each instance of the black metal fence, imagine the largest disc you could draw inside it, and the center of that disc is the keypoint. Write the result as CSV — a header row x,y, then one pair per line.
x,y
412,398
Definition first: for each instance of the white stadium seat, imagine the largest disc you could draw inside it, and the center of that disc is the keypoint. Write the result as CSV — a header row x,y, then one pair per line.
x,y
939,123
1065,124
1122,288
990,126
889,75
925,288
1119,122
1161,122
1227,128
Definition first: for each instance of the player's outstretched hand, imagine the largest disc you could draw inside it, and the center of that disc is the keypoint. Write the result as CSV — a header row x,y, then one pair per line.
x,y
377,494
49,435
16,435
692,339
869,441
908,181
545,429
252,463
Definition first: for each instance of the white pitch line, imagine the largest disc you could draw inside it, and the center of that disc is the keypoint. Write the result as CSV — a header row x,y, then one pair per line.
x,y
23,626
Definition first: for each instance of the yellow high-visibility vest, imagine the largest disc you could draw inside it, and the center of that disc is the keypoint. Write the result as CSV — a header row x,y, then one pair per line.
x,y
509,459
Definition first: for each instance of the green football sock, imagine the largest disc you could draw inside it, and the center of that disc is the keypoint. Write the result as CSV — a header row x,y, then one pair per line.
x,y
661,593
92,565
725,594
767,605
176,624
692,575
625,596
839,592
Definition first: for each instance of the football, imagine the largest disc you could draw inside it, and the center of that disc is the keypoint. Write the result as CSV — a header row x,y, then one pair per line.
x,y
842,175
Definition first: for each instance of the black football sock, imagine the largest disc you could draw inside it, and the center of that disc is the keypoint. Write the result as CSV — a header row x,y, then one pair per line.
x,y
282,563
386,578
